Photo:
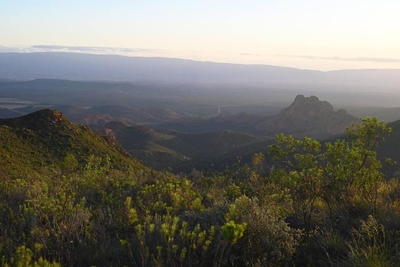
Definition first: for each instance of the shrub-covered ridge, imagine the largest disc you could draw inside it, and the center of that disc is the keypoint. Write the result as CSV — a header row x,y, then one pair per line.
x,y
315,204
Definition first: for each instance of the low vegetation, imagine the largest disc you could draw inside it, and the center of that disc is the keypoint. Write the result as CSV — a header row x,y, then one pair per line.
x,y
314,204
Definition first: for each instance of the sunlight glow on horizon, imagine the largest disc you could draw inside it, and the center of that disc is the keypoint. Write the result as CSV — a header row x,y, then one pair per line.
x,y
320,35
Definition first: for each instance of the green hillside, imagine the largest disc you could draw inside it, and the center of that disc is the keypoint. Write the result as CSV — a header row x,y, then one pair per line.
x,y
46,137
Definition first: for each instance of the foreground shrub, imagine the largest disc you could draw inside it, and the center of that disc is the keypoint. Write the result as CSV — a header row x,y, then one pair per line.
x,y
268,240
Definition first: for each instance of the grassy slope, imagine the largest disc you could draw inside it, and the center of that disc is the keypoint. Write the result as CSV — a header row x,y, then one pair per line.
x,y
46,137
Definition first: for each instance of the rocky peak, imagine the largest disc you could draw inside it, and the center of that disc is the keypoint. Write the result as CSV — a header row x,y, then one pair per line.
x,y
307,116
41,120
304,107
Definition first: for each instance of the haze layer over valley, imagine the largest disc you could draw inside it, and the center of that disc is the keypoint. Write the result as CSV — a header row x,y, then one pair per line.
x,y
183,114
165,81
170,113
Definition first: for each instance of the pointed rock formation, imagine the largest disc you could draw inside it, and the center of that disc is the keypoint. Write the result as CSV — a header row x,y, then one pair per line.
x,y
307,116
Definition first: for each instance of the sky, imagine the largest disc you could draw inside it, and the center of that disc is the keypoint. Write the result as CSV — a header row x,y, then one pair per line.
x,y
308,34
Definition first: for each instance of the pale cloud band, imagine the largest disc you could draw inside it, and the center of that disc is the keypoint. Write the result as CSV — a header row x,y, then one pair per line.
x,y
246,57
80,49
355,59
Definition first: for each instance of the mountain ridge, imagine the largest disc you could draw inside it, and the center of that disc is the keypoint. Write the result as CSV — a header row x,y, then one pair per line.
x,y
80,66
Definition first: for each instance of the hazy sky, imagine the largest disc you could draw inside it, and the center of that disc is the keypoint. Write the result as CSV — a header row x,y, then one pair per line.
x,y
320,34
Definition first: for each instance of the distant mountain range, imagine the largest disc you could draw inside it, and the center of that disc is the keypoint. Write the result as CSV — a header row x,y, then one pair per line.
x,y
306,116
46,136
162,138
224,136
75,66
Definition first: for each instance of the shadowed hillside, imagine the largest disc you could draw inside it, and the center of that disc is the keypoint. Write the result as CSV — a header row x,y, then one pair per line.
x,y
171,149
391,147
9,113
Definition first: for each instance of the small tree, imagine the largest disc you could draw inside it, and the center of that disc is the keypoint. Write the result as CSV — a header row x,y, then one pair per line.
x,y
340,173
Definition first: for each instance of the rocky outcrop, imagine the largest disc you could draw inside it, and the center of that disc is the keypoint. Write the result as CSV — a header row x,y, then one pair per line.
x,y
46,120
307,116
